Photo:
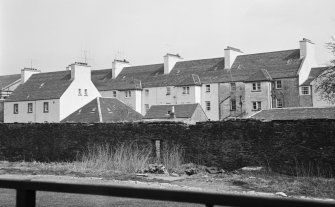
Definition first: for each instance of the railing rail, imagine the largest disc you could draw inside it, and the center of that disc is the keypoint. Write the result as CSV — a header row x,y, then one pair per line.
x,y
26,194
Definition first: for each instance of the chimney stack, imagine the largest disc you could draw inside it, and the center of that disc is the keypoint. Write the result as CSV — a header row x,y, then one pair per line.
x,y
80,71
118,65
307,48
26,73
169,61
230,54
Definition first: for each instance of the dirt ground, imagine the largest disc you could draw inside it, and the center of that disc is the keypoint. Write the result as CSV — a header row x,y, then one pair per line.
x,y
239,183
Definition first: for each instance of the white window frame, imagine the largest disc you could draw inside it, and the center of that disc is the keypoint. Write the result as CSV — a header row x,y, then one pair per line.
x,y
302,91
79,92
168,91
208,88
186,90
16,108
128,94
45,107
279,103
208,105
146,92
114,94
232,86
30,108
256,105
85,92
231,105
256,86
276,84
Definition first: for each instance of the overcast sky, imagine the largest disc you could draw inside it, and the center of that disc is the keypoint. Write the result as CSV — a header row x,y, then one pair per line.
x,y
54,33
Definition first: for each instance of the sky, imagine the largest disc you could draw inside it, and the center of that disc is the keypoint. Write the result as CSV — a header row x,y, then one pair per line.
x,y
51,34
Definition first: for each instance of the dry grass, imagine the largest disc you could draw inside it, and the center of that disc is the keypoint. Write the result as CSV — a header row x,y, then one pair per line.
x,y
172,158
123,158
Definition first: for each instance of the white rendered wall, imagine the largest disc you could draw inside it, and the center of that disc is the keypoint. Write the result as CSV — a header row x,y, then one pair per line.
x,y
186,98
38,115
211,96
158,96
307,52
71,101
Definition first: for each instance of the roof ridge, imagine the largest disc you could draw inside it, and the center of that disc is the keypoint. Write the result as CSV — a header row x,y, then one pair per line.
x,y
267,52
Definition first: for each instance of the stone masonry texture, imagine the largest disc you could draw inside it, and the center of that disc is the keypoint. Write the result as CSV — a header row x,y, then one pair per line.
x,y
280,145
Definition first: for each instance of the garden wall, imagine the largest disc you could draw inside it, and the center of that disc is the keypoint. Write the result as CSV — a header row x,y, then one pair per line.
x,y
281,145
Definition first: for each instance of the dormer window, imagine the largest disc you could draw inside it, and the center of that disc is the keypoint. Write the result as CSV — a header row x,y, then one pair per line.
x,y
278,84
256,86
186,90
168,91
79,92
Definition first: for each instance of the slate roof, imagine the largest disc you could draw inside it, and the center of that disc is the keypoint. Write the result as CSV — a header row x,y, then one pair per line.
x,y
112,110
8,79
315,72
279,64
42,86
260,75
295,113
161,111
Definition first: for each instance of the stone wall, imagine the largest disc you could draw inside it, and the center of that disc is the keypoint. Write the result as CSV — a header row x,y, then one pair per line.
x,y
281,145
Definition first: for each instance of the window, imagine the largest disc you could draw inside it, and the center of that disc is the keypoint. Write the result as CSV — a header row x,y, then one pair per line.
x,y
45,107
128,93
85,92
146,92
186,90
146,107
256,86
233,105
16,108
208,105
30,107
256,106
114,93
168,91
278,84
208,88
279,103
232,86
305,90
79,92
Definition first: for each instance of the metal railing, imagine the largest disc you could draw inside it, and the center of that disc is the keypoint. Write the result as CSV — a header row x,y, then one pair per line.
x,y
26,194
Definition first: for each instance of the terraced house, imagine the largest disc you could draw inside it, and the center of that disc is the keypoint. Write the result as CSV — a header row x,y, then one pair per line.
x,y
236,85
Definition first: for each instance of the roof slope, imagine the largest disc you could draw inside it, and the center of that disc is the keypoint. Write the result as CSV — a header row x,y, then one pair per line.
x,y
296,113
279,64
315,72
161,111
42,86
8,79
260,75
112,110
